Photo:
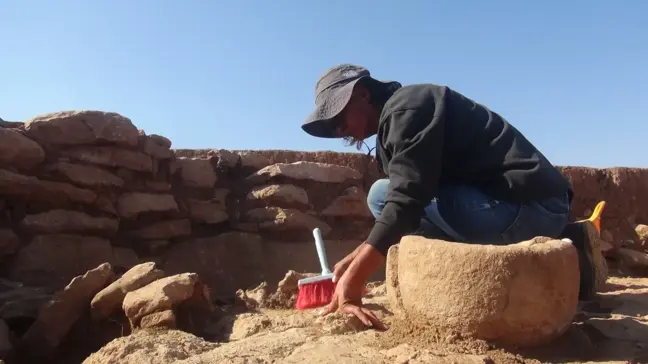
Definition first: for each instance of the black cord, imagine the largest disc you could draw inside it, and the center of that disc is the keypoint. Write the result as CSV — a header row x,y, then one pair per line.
x,y
369,149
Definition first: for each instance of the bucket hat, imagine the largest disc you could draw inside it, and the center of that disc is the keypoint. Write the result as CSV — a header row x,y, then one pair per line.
x,y
332,93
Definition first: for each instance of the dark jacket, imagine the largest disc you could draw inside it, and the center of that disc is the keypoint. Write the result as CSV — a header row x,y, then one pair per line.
x,y
430,136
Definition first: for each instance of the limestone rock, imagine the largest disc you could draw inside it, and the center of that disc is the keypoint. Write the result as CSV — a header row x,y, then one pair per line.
x,y
82,127
209,212
285,193
160,140
488,292
133,204
226,158
163,230
391,280
279,219
642,232
88,176
352,203
197,173
55,319
151,347
32,189
110,298
159,295
64,221
320,172
16,150
111,157
9,242
633,259
53,260
154,148
225,262
162,319
253,159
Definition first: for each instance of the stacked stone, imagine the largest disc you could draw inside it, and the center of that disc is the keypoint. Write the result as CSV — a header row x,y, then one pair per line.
x,y
289,200
80,188
61,175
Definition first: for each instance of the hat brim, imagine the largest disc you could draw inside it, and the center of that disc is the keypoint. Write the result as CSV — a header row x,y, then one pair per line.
x,y
321,122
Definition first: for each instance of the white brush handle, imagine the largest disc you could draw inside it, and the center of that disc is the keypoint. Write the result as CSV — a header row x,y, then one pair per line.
x,y
321,252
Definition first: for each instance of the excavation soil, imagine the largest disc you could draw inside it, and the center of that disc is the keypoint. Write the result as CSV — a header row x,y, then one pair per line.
x,y
612,329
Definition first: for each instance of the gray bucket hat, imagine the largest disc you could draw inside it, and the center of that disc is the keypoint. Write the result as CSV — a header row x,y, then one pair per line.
x,y
332,92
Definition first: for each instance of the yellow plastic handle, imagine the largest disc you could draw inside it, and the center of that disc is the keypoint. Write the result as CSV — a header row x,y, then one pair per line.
x,y
596,216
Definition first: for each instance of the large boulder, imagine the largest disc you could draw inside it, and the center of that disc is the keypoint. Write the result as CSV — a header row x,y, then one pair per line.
x,y
523,294
82,127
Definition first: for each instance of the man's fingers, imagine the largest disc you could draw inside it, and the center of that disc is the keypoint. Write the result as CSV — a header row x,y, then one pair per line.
x,y
367,317
362,316
330,308
374,320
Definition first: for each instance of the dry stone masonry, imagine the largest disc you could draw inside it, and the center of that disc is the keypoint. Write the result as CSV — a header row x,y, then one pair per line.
x,y
102,223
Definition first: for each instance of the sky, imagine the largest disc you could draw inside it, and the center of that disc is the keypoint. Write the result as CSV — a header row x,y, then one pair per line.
x,y
571,75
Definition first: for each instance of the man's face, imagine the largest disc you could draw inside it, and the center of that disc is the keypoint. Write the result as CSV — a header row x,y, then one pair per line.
x,y
358,120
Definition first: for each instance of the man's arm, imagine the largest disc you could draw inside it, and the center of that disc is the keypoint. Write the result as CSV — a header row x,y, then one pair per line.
x,y
415,139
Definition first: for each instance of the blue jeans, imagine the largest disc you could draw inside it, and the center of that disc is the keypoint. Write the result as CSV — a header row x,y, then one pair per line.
x,y
466,214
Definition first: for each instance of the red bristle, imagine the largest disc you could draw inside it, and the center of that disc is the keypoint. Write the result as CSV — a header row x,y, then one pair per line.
x,y
315,294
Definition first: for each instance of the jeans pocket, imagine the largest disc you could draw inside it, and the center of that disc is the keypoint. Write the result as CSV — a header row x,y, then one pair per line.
x,y
532,221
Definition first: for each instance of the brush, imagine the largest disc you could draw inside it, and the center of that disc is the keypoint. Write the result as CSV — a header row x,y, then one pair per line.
x,y
316,291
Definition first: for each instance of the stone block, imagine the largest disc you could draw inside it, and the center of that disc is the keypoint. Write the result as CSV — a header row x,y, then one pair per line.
x,y
523,294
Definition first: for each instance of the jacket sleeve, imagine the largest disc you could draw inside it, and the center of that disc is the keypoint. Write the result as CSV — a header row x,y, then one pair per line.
x,y
414,139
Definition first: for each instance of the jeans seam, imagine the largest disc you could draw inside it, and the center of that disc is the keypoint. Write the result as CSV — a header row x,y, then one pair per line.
x,y
474,206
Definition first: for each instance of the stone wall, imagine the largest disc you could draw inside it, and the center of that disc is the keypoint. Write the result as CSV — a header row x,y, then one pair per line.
x,y
78,189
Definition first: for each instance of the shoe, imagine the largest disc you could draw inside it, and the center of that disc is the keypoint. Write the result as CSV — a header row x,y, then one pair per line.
x,y
593,268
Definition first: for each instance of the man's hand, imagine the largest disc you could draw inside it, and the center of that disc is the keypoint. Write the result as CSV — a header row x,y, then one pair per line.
x,y
348,299
348,292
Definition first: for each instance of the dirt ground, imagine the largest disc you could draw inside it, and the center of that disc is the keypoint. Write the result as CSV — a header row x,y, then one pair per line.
x,y
612,329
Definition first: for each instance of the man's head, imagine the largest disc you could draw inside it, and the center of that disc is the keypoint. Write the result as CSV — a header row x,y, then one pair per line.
x,y
348,102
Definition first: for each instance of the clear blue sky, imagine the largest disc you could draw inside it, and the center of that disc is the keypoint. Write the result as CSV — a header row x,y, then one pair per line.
x,y
572,75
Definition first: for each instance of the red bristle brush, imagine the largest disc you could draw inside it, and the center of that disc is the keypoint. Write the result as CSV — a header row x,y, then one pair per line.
x,y
316,291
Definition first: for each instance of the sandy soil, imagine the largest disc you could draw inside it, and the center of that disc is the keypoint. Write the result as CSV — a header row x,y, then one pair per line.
x,y
612,329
